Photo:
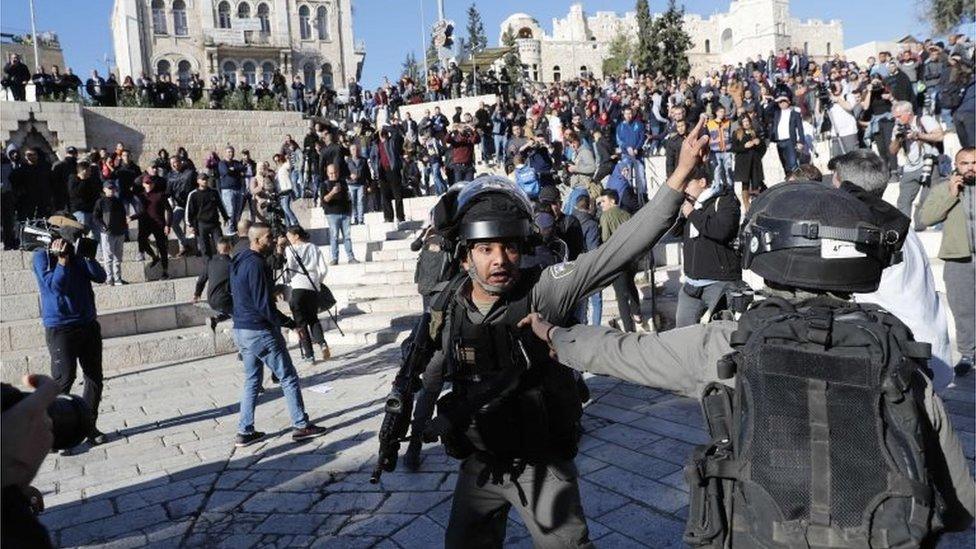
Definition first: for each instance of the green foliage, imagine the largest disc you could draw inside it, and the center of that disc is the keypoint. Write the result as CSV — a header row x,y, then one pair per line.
x,y
621,50
237,101
412,69
477,39
268,103
673,43
513,65
945,15
646,51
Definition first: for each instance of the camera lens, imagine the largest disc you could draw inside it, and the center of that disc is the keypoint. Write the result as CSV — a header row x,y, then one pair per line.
x,y
71,419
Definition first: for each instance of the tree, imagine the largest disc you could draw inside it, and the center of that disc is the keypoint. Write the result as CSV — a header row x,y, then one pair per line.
x,y
620,51
647,47
945,15
477,39
412,69
513,64
673,43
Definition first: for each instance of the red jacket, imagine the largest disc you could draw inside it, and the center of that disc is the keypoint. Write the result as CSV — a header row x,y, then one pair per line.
x,y
462,147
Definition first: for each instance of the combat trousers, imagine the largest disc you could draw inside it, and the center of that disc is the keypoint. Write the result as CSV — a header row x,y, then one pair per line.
x,y
552,512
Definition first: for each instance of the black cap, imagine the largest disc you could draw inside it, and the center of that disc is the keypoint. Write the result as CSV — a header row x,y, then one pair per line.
x,y
549,195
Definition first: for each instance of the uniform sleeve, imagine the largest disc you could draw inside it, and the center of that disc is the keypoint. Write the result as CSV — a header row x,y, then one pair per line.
x,y
562,286
955,458
682,360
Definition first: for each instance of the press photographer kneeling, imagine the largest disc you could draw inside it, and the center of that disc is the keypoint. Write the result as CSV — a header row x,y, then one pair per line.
x,y
72,332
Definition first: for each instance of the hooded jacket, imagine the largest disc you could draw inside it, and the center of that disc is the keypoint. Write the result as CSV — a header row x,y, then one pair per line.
x,y
250,284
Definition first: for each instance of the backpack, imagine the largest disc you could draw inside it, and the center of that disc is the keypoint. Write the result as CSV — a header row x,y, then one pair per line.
x,y
528,180
824,441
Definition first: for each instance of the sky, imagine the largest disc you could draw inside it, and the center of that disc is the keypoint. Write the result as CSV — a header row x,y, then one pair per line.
x,y
392,28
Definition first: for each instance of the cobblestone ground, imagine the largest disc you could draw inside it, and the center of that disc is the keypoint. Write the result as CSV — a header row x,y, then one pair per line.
x,y
171,476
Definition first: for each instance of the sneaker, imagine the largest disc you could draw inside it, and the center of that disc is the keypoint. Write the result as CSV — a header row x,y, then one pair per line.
x,y
153,262
247,439
164,276
141,256
352,261
326,353
334,262
180,253
309,431
615,324
309,360
964,366
120,282
97,438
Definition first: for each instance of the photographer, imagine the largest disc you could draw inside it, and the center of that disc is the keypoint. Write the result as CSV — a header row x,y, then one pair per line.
x,y
952,203
843,124
27,439
917,137
462,140
71,328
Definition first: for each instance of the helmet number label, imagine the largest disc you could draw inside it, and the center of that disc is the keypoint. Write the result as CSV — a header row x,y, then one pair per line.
x,y
838,249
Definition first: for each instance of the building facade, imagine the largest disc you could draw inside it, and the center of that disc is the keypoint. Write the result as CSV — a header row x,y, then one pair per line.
x,y
579,42
241,39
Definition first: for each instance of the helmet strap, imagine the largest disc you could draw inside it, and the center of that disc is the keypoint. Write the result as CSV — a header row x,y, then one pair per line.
x,y
490,289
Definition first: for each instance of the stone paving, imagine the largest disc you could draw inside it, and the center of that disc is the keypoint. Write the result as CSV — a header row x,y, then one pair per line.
x,y
170,476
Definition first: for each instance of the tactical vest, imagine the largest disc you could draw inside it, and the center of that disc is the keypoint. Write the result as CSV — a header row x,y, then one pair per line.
x,y
525,406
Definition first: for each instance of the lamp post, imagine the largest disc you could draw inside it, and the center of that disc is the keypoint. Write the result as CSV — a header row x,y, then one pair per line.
x,y
37,57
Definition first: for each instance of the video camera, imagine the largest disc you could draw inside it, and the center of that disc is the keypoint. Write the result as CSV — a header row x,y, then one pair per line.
x,y
40,233
71,418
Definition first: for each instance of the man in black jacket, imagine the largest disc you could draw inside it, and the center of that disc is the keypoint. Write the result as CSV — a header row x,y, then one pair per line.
x,y
567,227
217,281
31,185
603,154
84,189
710,262
204,211
15,76
60,173
180,182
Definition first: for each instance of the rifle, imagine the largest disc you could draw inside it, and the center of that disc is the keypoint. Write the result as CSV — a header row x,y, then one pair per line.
x,y
416,352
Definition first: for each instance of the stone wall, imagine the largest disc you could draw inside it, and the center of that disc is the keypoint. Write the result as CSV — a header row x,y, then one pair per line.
x,y
467,104
145,131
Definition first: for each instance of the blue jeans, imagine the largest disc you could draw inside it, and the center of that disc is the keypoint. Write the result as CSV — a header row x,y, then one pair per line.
x,y
233,202
297,183
290,217
485,147
356,194
268,347
500,143
787,155
596,309
314,185
657,136
339,223
440,187
639,183
722,170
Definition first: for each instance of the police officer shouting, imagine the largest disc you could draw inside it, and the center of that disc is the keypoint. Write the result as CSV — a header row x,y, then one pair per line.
x,y
513,413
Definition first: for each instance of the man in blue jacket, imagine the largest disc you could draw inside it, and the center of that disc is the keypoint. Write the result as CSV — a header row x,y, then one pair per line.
x,y
257,333
230,174
71,328
630,139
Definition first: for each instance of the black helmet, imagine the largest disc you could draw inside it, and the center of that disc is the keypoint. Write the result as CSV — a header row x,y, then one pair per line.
x,y
810,236
492,208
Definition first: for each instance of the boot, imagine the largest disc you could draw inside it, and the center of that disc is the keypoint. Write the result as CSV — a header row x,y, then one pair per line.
x,y
411,459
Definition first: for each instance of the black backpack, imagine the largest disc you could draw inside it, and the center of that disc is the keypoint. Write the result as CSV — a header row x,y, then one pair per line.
x,y
824,441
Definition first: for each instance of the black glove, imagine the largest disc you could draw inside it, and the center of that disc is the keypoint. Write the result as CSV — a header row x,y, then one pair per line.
x,y
436,428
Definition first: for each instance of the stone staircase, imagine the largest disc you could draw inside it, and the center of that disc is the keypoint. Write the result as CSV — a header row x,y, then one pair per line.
x,y
152,321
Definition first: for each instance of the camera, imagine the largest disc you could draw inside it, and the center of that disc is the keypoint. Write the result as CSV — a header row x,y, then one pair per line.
x,y
902,131
40,233
928,166
824,94
71,418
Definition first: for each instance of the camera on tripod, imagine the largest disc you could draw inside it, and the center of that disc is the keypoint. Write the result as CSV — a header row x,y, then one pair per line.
x,y
40,233
825,93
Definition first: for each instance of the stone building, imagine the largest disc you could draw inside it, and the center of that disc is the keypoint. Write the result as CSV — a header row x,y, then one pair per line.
x,y
579,42
48,49
238,38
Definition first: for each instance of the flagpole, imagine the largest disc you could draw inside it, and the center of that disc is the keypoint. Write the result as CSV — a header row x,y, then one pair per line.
x,y
423,42
37,58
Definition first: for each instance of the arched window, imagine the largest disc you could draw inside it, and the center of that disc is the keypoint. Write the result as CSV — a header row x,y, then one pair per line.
x,y
727,40
322,23
250,72
162,67
828,48
308,74
179,18
243,10
327,75
304,26
230,71
183,70
159,17
223,15
264,16
524,32
267,71
708,46
556,75
583,71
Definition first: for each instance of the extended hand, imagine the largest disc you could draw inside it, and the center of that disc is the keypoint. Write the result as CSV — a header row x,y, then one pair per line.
x,y
27,432
540,328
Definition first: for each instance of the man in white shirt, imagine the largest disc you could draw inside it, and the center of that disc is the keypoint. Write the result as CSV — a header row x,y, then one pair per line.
x,y
907,289
916,137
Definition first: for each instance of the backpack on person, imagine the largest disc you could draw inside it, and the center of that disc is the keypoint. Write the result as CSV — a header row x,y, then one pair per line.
x,y
824,441
528,180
